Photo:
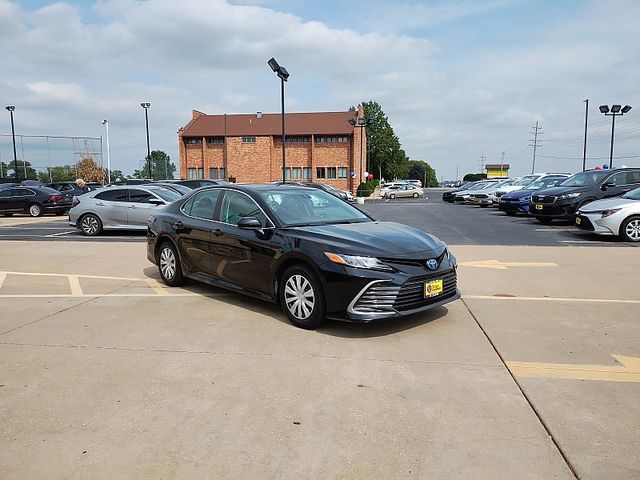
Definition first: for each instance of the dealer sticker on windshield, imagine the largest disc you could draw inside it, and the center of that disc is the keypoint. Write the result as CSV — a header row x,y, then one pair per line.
x,y
433,288
539,206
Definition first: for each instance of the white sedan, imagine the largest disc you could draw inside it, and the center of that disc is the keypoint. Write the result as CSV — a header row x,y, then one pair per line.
x,y
613,216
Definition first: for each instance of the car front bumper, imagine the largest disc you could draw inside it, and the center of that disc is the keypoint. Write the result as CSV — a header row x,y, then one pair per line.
x,y
514,206
558,209
593,222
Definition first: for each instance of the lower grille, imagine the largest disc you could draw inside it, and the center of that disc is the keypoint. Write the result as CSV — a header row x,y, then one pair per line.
x,y
378,298
411,294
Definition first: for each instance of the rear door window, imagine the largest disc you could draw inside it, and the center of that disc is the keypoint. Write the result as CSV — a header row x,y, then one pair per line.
x,y
114,195
22,192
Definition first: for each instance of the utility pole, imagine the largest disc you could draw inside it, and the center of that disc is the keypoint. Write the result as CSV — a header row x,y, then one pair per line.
x,y
482,159
501,164
584,152
537,130
457,170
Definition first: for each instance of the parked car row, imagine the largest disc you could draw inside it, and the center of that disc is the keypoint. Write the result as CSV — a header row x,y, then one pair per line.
x,y
606,202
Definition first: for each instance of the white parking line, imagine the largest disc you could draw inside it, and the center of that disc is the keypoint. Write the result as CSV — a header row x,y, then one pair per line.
x,y
74,284
3,277
552,299
59,234
556,229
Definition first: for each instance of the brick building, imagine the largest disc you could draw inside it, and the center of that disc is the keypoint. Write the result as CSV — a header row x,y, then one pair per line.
x,y
320,147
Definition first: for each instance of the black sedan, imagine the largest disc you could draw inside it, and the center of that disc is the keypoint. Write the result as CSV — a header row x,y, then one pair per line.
x,y
316,255
32,200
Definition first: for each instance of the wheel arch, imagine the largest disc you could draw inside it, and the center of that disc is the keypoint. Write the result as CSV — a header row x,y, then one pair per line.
x,y
623,222
295,259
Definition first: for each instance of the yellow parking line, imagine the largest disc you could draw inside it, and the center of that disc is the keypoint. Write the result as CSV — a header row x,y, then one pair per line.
x,y
552,299
3,277
99,295
157,287
74,283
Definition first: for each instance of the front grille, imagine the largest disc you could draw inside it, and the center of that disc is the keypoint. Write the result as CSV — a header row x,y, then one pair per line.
x,y
481,195
543,198
411,295
416,262
378,298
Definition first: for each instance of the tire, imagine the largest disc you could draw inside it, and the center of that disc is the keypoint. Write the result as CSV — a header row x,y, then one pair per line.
x,y
544,220
169,265
392,196
630,229
300,283
35,210
415,195
90,225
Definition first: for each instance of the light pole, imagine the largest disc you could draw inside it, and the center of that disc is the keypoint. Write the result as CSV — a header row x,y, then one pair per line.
x,y
616,110
362,123
106,124
146,106
283,75
11,108
584,151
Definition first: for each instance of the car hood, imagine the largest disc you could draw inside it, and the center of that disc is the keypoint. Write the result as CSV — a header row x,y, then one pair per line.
x,y
374,239
520,193
557,191
609,203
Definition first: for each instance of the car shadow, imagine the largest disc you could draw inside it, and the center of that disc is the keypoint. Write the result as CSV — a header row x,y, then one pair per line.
x,y
334,328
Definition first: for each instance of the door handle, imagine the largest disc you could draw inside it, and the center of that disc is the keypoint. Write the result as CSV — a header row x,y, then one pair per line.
x,y
217,232
177,225
131,206
100,204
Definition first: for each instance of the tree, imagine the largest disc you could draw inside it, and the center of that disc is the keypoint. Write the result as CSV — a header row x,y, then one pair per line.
x,y
89,170
161,167
4,170
421,170
474,177
25,171
117,175
58,174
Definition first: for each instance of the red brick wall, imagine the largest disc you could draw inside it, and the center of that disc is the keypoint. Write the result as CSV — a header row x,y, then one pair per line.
x,y
249,162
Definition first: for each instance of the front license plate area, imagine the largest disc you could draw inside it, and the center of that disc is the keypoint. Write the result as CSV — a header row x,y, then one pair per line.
x,y
433,288
578,220
539,206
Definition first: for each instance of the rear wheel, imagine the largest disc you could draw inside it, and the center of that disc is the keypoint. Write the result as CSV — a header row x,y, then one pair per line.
x,y
392,196
302,298
35,210
630,229
415,195
90,225
169,265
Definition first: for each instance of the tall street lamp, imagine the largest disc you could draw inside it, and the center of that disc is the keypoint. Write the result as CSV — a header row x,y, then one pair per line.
x,y
11,108
146,106
283,75
616,110
106,124
362,123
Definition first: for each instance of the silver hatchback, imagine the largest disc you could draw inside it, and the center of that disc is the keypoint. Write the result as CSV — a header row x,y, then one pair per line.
x,y
118,208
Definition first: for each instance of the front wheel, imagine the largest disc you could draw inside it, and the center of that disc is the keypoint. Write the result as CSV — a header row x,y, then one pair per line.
x,y
302,298
35,210
169,265
392,196
630,229
415,195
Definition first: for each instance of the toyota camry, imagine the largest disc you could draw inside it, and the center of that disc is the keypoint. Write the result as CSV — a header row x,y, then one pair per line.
x,y
314,254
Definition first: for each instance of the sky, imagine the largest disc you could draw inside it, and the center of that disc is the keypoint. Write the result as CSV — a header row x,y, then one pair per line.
x,y
457,79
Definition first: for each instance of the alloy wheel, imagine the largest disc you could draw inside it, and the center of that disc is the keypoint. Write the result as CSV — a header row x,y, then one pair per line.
x,y
167,263
633,230
35,210
299,297
90,225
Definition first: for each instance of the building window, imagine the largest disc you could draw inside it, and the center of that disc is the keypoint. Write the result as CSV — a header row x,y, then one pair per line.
x,y
298,139
193,141
195,173
248,139
217,173
306,173
320,172
332,172
342,172
332,139
287,173
296,173
215,140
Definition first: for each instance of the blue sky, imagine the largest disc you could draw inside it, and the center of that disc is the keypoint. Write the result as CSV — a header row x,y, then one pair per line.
x,y
457,79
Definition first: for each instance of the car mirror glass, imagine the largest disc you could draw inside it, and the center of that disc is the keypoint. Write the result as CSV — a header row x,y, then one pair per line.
x,y
249,223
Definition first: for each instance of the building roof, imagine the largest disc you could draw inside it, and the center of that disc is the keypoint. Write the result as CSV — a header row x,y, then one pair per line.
x,y
498,166
237,125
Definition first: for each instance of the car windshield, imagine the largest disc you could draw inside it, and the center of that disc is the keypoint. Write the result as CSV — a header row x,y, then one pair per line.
x,y
299,207
524,181
486,185
633,194
584,179
166,194
543,183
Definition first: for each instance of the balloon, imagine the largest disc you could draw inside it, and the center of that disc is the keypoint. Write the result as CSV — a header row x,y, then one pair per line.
x,y
598,167
370,176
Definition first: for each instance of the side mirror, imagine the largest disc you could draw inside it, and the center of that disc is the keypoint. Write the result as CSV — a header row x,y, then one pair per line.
x,y
156,201
607,185
249,223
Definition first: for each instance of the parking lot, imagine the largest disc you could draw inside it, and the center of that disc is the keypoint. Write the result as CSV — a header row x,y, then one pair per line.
x,y
533,374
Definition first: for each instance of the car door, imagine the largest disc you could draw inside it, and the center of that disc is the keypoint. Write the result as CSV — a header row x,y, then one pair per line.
x,y
111,206
240,257
614,185
193,230
142,204
21,197
5,201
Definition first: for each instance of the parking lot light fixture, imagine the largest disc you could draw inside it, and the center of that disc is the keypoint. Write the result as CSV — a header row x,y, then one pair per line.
x,y
146,106
616,110
106,124
11,109
362,123
283,75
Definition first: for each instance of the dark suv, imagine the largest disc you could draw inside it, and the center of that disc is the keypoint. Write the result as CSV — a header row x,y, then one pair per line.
x,y
563,201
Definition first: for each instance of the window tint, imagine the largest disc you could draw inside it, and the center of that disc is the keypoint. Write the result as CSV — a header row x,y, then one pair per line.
x,y
22,192
114,195
166,194
619,178
202,204
633,177
236,205
5,193
139,196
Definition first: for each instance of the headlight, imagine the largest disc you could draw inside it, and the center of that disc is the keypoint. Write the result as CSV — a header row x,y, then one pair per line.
x,y
525,199
566,196
607,213
370,263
